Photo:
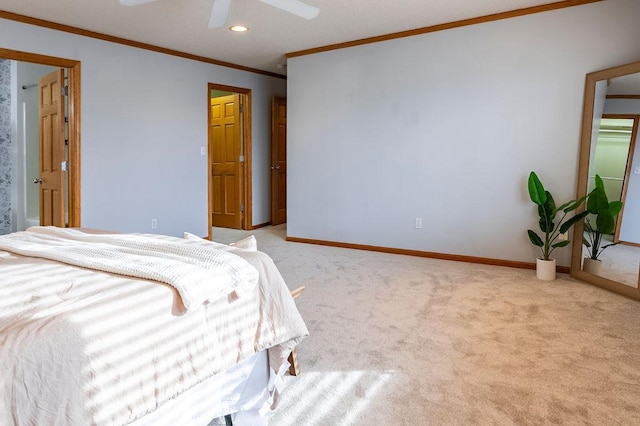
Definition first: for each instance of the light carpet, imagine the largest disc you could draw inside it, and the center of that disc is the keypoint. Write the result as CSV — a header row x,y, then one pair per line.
x,y
400,340
620,262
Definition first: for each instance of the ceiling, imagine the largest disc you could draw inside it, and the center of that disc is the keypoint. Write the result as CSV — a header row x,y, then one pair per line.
x,y
181,25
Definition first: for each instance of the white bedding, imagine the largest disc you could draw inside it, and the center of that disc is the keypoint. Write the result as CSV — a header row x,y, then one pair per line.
x,y
79,346
200,273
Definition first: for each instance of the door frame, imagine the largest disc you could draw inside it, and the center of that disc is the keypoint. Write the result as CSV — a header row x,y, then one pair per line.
x,y
73,82
627,172
245,99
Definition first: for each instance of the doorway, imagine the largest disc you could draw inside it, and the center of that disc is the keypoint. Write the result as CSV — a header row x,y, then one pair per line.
x,y
69,212
613,161
229,159
612,154
278,161
51,177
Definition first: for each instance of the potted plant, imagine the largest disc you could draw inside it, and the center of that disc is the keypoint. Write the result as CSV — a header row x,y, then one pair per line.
x,y
605,213
551,228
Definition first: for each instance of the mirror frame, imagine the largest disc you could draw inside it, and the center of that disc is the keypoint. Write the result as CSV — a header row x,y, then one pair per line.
x,y
583,178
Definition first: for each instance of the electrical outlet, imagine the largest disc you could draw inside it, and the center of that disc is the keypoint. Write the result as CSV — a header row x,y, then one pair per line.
x,y
154,223
418,223
563,237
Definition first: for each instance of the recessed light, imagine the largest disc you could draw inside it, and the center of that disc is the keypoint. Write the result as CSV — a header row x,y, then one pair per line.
x,y
239,28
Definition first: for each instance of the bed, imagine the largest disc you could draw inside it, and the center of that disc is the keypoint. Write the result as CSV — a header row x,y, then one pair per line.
x,y
83,342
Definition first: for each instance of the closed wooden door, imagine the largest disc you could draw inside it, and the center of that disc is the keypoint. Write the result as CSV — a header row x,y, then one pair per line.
x,y
52,149
226,164
279,161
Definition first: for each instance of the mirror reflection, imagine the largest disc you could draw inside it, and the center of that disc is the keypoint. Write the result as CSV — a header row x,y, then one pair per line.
x,y
612,157
613,148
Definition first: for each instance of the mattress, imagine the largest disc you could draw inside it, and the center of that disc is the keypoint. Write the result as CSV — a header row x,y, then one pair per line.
x,y
80,346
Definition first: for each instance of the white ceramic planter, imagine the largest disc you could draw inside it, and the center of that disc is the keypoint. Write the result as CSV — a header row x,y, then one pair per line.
x,y
593,266
546,269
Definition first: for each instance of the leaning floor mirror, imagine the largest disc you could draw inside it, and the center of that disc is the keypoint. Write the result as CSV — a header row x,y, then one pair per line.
x,y
610,160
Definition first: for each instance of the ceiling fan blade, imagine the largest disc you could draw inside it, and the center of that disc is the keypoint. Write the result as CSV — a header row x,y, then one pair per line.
x,y
134,2
295,7
219,12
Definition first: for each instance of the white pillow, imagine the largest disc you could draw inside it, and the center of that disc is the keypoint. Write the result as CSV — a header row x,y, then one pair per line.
x,y
248,243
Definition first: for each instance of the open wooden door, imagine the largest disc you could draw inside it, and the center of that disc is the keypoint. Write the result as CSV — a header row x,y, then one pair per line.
x,y
51,143
279,161
226,162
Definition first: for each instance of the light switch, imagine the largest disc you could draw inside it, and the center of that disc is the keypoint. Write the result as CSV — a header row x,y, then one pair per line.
x,y
636,171
203,151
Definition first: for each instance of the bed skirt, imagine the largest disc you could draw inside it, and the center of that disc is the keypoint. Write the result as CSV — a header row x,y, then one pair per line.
x,y
242,391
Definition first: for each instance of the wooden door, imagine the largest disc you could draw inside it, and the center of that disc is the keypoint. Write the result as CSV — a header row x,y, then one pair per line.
x,y
279,161
52,148
226,164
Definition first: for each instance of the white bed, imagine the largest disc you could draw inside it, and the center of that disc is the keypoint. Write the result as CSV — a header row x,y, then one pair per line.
x,y
81,346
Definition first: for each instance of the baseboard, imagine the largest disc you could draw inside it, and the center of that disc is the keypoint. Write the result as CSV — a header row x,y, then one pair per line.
x,y
627,243
429,254
261,225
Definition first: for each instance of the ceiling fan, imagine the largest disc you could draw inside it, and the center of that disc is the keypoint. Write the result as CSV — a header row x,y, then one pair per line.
x,y
220,9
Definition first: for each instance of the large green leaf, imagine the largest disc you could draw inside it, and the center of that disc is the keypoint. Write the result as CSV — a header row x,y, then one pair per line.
x,y
546,214
615,207
597,201
572,205
550,206
606,223
546,225
535,239
599,182
592,206
606,212
536,190
561,244
564,227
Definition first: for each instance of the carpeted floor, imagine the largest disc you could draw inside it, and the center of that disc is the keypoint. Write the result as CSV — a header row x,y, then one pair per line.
x,y
620,262
399,340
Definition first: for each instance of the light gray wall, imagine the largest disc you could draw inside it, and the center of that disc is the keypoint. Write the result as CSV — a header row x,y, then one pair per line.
x,y
598,109
622,106
447,126
630,226
144,119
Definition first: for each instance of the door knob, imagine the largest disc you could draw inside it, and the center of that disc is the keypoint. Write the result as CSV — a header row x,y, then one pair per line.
x,y
275,167
37,180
